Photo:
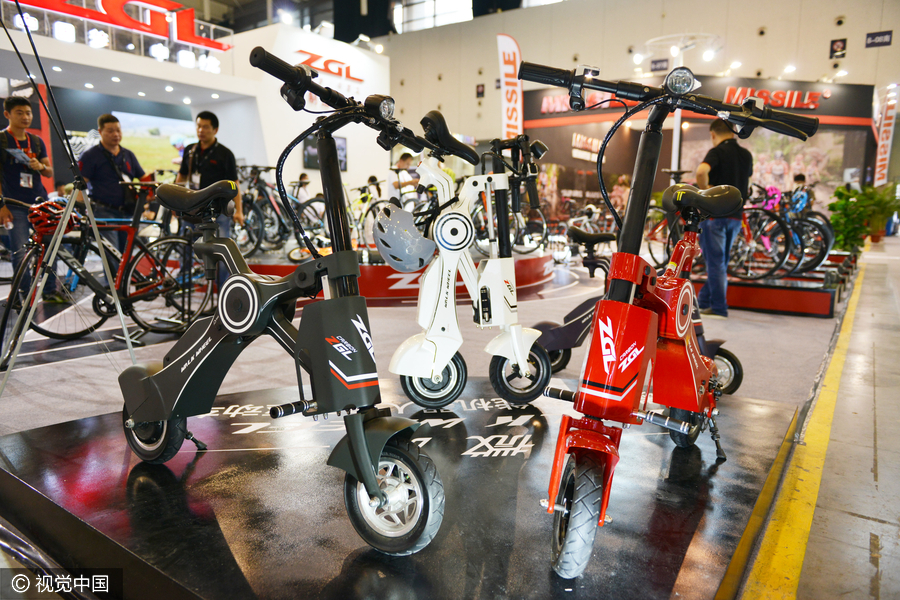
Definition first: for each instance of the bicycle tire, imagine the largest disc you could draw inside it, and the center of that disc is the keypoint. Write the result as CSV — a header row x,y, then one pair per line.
x,y
249,236
77,318
531,230
275,229
482,242
817,244
313,218
10,326
160,294
656,236
762,247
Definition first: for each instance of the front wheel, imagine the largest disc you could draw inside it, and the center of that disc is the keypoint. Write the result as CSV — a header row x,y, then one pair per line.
x,y
576,520
509,382
685,440
155,442
430,394
415,508
731,373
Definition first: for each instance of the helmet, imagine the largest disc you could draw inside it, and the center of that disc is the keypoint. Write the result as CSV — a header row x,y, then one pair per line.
x,y
44,217
399,242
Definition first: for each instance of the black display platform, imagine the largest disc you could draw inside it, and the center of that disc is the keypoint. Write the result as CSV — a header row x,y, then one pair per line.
x,y
260,515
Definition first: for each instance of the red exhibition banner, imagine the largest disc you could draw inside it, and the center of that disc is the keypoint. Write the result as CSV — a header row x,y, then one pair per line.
x,y
510,86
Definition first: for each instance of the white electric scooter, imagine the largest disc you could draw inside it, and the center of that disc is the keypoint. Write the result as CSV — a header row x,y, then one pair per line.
x,y
432,371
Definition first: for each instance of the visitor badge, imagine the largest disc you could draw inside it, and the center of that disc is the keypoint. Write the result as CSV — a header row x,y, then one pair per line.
x,y
25,180
195,181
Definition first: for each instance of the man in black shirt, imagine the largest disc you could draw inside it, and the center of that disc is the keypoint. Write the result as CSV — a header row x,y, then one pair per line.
x,y
726,163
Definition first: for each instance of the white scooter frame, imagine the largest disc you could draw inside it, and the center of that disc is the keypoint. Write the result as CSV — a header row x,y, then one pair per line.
x,y
424,360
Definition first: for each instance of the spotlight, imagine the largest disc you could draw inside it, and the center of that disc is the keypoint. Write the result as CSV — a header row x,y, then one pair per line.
x,y
708,55
790,69
638,58
735,65
674,51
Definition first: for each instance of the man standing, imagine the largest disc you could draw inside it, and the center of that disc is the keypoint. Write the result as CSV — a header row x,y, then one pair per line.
x,y
726,163
24,161
207,162
103,167
400,183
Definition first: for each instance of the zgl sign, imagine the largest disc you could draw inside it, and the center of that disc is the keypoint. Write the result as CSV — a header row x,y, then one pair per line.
x,y
112,12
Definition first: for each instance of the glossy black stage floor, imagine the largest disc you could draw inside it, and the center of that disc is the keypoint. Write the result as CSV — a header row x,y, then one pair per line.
x,y
260,515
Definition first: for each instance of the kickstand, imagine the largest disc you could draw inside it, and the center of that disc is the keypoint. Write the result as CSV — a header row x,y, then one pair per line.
x,y
714,432
200,445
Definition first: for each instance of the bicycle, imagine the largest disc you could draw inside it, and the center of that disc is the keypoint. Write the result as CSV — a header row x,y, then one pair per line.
x,y
641,333
392,491
432,371
159,283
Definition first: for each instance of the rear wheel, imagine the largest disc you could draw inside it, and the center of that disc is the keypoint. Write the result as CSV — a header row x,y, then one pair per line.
x,y
250,235
559,359
685,440
761,247
166,286
430,394
577,517
415,508
817,243
11,327
312,217
656,236
731,373
509,382
155,442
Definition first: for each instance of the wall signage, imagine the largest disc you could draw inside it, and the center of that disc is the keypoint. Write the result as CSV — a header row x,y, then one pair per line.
x,y
659,65
879,38
510,86
112,12
777,98
885,139
838,48
330,66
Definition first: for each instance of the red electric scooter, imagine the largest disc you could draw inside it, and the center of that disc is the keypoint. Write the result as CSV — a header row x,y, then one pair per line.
x,y
642,332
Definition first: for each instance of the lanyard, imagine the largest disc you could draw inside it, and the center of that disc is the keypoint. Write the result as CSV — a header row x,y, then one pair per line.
x,y
27,147
201,156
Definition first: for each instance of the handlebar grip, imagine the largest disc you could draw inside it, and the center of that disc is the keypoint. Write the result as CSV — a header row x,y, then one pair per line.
x,y
275,67
543,74
808,125
533,197
782,128
566,395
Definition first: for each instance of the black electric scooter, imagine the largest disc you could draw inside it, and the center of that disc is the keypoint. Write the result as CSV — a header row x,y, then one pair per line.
x,y
559,339
392,491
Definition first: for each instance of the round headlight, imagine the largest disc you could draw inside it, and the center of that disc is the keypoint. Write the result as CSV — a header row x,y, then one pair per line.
x,y
380,106
679,81
387,108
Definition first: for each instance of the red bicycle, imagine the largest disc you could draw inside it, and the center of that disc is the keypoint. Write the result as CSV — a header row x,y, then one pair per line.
x,y
641,332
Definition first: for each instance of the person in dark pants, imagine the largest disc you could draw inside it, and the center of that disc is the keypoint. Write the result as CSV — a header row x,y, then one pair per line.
x,y
207,162
726,163
24,161
103,167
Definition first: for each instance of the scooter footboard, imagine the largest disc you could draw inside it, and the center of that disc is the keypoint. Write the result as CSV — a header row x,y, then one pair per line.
x,y
585,436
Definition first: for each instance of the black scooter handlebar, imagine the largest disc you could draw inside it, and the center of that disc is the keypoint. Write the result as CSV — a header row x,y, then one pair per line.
x,y
546,75
300,78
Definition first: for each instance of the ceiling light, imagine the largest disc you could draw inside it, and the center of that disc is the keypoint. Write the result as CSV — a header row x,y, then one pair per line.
x,y
627,124
735,65
186,100
57,69
638,58
116,79
89,86
891,86
709,55
685,125
141,94
790,69
379,48
286,17
129,47
892,94
674,51
841,73
64,32
169,88
215,96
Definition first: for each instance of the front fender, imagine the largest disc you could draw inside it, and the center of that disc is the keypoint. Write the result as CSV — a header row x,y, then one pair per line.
x,y
377,432
590,437
504,343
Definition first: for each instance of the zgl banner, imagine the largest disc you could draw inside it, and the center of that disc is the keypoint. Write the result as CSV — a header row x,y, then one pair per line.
x,y
510,86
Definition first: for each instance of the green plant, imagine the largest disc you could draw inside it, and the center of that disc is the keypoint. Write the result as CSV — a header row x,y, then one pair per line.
x,y
880,204
848,217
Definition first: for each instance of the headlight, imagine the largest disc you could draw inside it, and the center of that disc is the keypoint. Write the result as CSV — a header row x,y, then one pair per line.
x,y
380,106
679,82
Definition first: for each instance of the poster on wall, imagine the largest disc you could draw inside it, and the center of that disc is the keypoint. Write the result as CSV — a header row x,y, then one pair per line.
x,y
311,153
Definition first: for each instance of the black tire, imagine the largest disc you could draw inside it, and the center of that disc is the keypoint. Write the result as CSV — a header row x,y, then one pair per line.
x,y
515,388
656,236
685,440
314,221
731,373
420,513
10,327
155,442
428,394
762,248
559,359
580,492
165,286
275,230
531,230
817,243
77,317
250,235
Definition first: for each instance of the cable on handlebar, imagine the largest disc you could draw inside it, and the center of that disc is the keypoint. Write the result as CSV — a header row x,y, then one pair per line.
x,y
612,130
602,102
497,156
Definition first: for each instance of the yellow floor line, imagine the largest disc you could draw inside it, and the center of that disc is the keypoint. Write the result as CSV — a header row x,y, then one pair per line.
x,y
776,572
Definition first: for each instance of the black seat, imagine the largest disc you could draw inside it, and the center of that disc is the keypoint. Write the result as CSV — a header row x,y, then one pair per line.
x,y
437,132
590,239
717,201
181,199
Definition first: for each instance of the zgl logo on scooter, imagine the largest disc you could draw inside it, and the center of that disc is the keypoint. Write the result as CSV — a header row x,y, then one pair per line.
x,y
364,334
341,345
607,343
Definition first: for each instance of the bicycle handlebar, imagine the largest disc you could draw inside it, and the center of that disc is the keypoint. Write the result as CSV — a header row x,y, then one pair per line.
x,y
746,116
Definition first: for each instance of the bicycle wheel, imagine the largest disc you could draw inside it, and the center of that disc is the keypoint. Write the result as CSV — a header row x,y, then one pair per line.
x,y
817,244
250,235
656,236
275,230
531,230
367,222
165,286
482,242
77,316
762,246
10,326
314,221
